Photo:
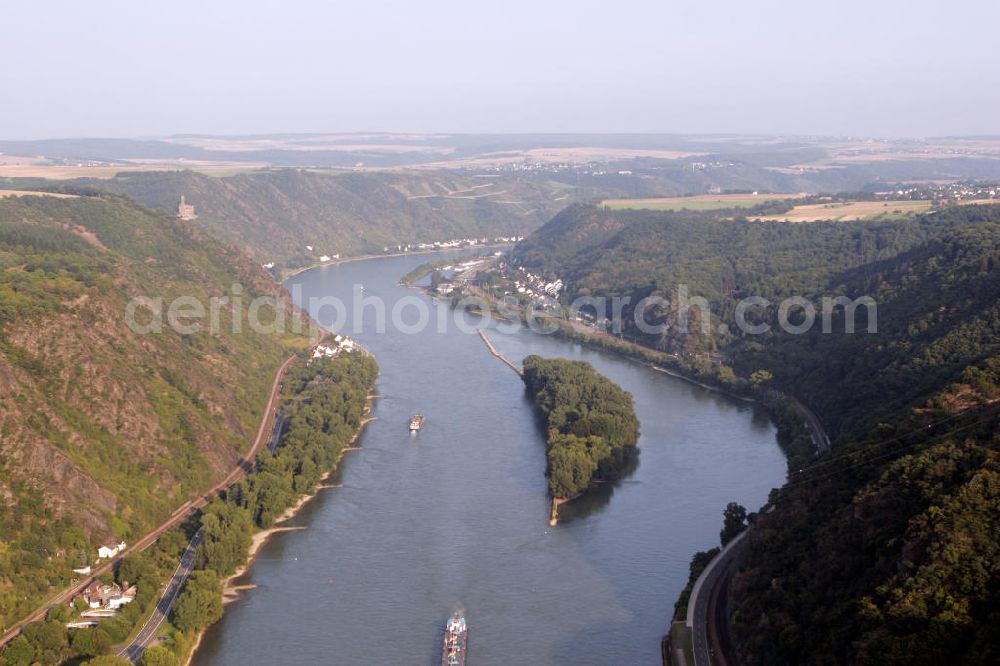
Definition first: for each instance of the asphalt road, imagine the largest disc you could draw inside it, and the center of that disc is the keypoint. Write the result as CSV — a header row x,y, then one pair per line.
x,y
820,439
706,611
133,652
699,607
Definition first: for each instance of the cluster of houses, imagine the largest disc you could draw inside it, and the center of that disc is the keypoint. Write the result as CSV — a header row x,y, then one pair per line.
x,y
411,247
109,596
535,286
528,164
340,343
960,191
701,166
324,258
101,600
455,242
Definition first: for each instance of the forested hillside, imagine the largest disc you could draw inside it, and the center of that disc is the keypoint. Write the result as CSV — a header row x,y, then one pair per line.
x,y
884,551
933,277
275,215
105,431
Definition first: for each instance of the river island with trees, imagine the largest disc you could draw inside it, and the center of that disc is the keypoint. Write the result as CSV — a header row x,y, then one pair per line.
x,y
590,421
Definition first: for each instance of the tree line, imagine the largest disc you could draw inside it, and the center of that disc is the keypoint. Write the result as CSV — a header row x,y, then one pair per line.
x,y
324,404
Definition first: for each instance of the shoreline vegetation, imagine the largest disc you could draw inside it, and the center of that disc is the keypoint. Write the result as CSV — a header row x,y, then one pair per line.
x,y
591,426
795,432
327,403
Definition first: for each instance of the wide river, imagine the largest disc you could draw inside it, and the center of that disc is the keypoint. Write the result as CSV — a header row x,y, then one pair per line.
x,y
456,517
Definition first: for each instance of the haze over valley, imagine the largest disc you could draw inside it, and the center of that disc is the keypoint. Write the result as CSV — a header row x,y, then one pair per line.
x,y
575,333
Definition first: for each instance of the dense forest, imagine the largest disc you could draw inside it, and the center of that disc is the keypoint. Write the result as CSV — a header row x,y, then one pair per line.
x,y
590,422
885,550
932,276
324,406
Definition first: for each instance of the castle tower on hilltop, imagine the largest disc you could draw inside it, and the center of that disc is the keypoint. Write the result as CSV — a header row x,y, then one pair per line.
x,y
185,211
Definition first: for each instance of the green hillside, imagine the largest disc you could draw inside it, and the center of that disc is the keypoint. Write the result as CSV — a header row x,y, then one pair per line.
x,y
883,551
105,431
275,215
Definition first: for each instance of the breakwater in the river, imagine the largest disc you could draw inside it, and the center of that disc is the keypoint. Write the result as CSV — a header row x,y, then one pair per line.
x,y
493,350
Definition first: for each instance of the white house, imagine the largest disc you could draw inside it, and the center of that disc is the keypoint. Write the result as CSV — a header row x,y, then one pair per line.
x,y
322,351
99,595
126,596
106,552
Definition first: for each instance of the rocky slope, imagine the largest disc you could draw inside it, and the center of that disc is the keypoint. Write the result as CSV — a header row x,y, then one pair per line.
x,y
104,430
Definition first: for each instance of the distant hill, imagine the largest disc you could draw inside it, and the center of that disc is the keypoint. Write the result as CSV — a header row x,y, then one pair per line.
x,y
105,431
275,215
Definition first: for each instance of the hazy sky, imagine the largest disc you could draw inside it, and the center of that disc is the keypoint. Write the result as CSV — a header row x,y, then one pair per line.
x,y
129,68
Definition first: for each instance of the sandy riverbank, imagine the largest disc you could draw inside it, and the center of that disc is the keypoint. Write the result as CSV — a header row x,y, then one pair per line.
x,y
231,588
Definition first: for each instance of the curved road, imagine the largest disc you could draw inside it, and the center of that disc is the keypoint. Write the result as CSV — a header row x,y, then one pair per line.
x,y
698,612
820,439
134,650
705,610
244,466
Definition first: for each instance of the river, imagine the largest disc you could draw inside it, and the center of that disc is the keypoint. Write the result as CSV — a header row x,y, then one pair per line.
x,y
455,518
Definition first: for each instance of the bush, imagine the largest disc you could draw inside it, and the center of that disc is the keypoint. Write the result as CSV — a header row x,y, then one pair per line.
x,y
199,603
157,655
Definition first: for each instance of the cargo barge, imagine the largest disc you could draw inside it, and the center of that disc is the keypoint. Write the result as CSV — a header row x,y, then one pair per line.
x,y
456,639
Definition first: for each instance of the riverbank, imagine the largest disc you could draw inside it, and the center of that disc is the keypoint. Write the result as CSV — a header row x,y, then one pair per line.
x,y
456,518
800,438
231,589
285,274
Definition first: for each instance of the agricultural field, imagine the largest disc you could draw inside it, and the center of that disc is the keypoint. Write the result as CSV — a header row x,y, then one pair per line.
x,y
42,169
860,210
698,202
27,193
841,211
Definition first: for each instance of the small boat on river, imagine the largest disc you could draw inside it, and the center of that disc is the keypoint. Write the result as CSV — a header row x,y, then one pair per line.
x,y
416,422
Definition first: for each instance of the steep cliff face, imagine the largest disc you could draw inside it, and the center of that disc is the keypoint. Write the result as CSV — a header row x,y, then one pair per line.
x,y
106,429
